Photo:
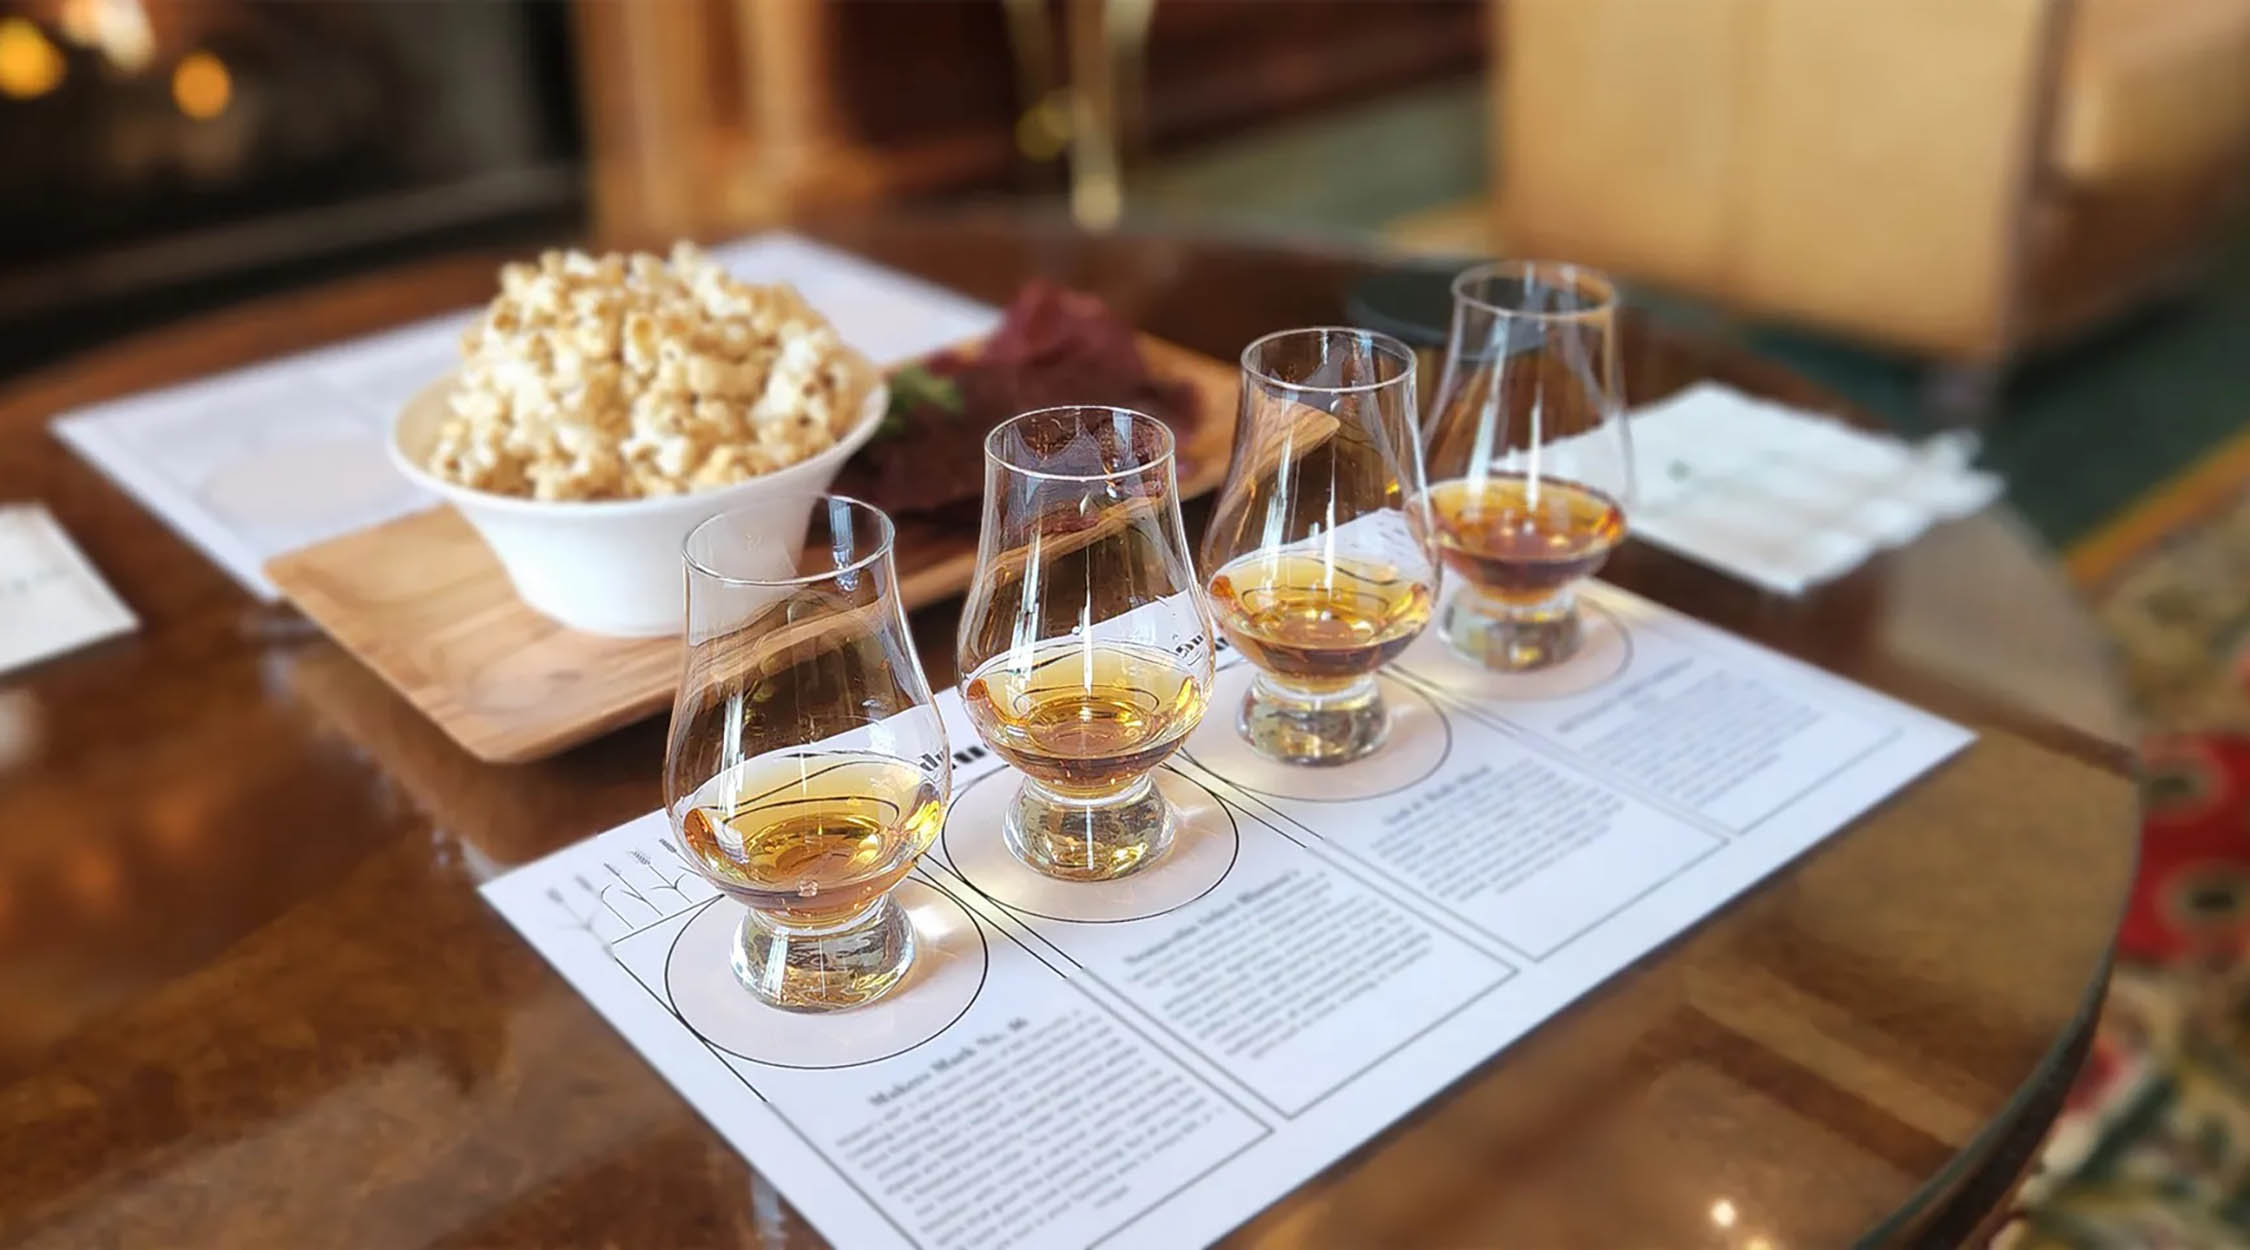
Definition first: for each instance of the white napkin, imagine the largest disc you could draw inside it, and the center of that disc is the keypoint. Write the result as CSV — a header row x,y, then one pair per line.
x,y
51,599
1787,499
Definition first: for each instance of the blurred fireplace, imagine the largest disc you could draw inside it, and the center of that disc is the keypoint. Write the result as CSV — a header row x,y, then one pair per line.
x,y
158,156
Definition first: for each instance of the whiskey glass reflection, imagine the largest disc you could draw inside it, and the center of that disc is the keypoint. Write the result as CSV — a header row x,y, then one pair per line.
x,y
1318,550
1529,458
1085,642
806,767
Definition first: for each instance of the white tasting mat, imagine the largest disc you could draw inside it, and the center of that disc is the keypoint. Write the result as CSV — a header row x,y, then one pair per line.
x,y
283,454
1786,499
51,599
1147,1063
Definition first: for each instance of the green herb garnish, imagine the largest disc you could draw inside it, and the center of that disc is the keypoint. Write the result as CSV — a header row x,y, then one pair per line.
x,y
913,387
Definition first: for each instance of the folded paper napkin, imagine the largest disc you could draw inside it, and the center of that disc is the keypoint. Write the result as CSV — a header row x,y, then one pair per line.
x,y
1786,499
51,599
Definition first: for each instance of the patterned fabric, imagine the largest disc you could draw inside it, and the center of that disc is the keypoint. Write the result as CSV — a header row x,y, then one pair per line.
x,y
2153,1151
2181,618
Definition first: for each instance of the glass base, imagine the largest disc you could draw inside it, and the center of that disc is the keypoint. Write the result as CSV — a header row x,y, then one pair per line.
x,y
1513,637
1080,841
831,969
1308,727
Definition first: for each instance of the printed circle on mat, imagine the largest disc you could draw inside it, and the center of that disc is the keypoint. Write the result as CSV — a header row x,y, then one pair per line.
x,y
1204,846
950,962
1420,739
1603,653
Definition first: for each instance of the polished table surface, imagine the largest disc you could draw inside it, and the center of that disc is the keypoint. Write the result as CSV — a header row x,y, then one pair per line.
x,y
249,995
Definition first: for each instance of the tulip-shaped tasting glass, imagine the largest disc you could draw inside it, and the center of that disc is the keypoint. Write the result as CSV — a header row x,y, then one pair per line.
x,y
1085,642
1530,462
1318,555
806,768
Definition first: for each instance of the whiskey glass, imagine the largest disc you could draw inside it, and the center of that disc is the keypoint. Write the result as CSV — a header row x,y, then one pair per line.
x,y
1529,457
1318,554
1085,642
806,768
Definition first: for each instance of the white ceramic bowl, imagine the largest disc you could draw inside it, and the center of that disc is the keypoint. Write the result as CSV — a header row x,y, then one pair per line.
x,y
612,566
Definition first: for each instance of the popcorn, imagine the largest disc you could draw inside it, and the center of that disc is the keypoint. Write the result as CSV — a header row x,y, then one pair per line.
x,y
631,377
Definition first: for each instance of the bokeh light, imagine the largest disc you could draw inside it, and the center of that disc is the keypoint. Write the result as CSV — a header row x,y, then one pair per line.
x,y
30,64
201,86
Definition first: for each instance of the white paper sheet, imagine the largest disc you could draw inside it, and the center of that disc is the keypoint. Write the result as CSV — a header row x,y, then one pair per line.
x,y
51,599
1150,1062
266,459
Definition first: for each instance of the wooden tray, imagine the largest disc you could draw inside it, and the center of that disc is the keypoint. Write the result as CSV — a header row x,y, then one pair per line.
x,y
422,602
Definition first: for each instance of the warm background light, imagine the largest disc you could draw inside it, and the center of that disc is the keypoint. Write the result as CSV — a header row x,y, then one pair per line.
x,y
201,85
119,29
29,64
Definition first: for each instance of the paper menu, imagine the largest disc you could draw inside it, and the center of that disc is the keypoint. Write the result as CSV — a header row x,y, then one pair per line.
x,y
250,464
266,459
891,316
1150,1062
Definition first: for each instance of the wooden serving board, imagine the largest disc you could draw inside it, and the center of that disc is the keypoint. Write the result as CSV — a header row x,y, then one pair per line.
x,y
423,602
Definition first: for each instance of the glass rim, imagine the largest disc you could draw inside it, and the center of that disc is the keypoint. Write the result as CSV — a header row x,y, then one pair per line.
x,y
1553,273
1386,343
1169,444
881,549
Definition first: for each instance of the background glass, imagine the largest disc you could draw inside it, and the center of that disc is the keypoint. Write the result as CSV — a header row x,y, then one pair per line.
x,y
1317,555
806,768
1529,459
1085,643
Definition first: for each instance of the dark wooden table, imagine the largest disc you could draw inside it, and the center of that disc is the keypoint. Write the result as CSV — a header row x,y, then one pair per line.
x,y
249,996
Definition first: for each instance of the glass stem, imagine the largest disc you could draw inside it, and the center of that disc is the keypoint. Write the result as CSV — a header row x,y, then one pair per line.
x,y
1294,725
844,965
1513,636
1081,838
